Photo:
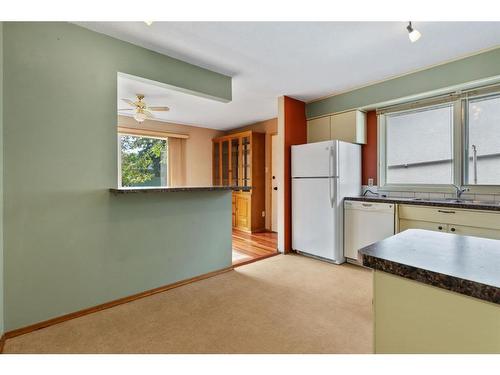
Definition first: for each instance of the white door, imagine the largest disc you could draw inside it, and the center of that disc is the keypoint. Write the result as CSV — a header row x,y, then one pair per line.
x,y
315,159
313,219
274,183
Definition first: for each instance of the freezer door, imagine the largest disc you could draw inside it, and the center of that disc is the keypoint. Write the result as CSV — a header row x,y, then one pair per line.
x,y
315,159
313,216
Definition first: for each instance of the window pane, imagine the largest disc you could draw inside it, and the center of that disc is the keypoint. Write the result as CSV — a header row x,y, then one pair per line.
x,y
143,161
419,146
484,137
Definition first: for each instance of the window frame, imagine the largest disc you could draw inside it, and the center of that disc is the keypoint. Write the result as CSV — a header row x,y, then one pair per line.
x,y
144,135
460,101
478,95
382,146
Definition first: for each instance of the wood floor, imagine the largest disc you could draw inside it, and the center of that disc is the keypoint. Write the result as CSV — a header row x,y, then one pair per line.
x,y
249,247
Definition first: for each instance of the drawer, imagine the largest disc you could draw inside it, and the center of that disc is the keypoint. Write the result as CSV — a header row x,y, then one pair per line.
x,y
472,218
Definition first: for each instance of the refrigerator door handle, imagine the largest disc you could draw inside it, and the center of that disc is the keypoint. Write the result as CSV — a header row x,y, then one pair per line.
x,y
330,177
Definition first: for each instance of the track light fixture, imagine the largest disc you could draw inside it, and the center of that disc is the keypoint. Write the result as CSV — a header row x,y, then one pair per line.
x,y
413,34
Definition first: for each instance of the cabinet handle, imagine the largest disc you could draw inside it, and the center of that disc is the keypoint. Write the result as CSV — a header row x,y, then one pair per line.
x,y
446,211
452,229
440,227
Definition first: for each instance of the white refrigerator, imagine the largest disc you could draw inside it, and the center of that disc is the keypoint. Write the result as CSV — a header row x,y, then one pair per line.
x,y
323,173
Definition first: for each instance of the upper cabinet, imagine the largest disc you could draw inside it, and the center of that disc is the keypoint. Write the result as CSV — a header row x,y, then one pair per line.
x,y
318,129
346,126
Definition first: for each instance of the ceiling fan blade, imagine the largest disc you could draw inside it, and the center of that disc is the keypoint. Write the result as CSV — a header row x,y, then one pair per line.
x,y
129,102
148,114
159,109
126,109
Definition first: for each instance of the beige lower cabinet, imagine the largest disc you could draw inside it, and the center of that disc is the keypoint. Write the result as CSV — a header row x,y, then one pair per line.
x,y
411,317
442,219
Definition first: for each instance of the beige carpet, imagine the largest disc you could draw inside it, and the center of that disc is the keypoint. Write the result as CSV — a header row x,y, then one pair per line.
x,y
284,304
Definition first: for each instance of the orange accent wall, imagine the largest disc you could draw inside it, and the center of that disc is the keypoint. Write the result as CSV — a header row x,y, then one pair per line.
x,y
295,134
369,150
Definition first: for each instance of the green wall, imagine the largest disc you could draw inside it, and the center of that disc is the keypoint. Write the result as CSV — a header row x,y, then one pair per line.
x,y
477,67
68,242
1,182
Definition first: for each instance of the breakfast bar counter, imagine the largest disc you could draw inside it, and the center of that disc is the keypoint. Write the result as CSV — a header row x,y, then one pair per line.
x,y
435,293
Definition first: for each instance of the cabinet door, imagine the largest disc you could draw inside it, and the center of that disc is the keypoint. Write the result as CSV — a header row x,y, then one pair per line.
x,y
474,231
246,161
318,129
349,127
235,161
216,163
418,224
243,212
225,162
233,201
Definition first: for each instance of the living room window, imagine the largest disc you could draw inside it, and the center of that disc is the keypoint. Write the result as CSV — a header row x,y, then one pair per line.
x,y
143,161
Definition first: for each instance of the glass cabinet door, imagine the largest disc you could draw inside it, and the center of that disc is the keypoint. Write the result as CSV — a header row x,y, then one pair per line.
x,y
216,163
235,161
225,162
246,167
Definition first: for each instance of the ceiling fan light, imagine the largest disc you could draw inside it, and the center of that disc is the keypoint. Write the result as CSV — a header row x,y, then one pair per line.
x,y
413,34
140,116
149,23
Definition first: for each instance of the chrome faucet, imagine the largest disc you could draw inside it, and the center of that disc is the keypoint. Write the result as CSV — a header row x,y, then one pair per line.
x,y
459,191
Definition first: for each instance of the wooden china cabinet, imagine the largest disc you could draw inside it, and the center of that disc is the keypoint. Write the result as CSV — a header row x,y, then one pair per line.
x,y
239,160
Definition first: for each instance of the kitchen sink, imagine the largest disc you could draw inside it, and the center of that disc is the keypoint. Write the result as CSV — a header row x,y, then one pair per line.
x,y
454,200
467,201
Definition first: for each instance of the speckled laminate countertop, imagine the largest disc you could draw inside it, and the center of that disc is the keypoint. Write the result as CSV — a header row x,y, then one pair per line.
x,y
468,204
462,264
176,189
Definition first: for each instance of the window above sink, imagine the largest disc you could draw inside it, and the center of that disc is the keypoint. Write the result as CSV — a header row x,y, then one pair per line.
x,y
432,144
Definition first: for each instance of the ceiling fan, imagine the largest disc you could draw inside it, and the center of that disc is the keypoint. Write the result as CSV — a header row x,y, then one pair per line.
x,y
142,110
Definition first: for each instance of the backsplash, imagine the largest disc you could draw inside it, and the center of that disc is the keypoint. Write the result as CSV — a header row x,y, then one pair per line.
x,y
425,195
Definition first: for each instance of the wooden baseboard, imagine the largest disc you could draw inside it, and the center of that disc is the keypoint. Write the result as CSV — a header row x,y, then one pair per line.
x,y
107,305
2,342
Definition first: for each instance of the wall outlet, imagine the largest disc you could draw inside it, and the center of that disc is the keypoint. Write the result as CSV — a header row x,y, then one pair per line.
x,y
263,213
370,182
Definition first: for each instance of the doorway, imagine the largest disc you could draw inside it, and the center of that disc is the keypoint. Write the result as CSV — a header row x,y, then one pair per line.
x,y
274,183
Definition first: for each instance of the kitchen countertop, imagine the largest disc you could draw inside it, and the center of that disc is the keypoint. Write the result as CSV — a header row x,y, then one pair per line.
x,y
131,190
469,204
462,264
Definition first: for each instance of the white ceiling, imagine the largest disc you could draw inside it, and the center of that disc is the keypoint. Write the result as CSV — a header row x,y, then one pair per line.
x,y
304,60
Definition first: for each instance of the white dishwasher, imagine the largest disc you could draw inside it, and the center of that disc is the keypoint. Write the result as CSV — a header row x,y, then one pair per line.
x,y
364,224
